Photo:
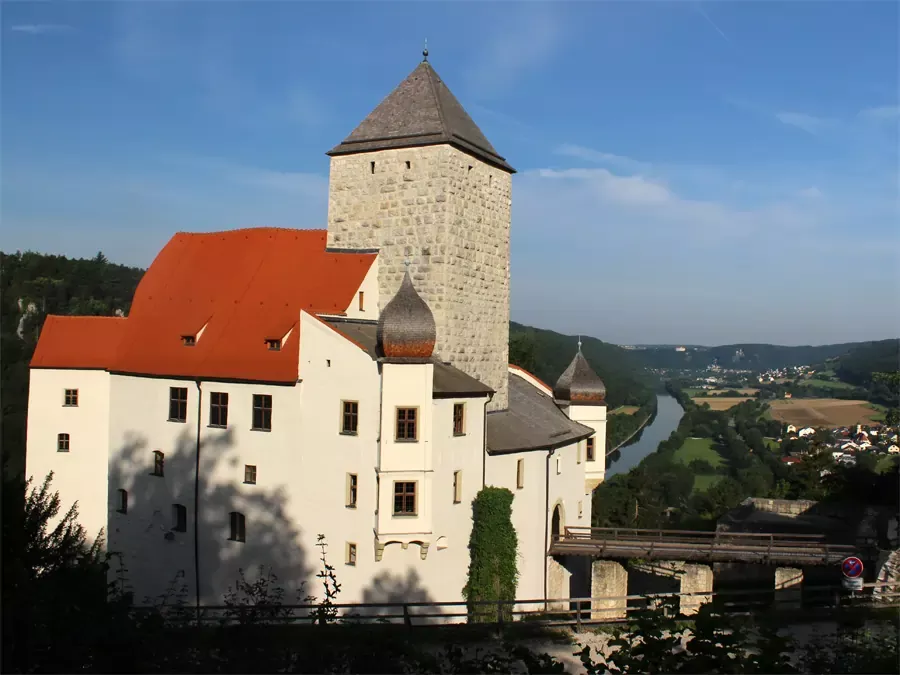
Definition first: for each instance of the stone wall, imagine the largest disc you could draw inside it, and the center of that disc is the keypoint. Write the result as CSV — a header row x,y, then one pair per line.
x,y
449,215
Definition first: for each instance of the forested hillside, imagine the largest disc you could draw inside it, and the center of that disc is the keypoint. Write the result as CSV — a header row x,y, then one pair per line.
x,y
858,366
33,285
749,356
546,354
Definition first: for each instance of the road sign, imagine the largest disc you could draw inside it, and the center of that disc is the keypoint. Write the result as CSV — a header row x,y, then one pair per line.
x,y
852,567
853,584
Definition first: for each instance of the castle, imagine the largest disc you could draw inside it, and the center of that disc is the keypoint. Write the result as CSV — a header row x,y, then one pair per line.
x,y
271,385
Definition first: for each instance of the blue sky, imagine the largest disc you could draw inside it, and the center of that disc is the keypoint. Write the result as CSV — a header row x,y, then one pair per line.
x,y
688,172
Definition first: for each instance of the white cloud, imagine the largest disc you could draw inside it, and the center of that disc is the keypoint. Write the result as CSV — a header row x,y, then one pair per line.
x,y
590,155
811,192
808,123
529,35
41,28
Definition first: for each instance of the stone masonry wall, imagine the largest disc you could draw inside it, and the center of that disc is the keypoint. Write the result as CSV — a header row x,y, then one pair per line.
x,y
449,215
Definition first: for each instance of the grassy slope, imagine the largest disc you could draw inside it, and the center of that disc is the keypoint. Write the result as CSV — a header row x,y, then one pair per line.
x,y
700,448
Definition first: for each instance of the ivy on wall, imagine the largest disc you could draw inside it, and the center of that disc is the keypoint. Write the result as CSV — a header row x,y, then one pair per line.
x,y
492,555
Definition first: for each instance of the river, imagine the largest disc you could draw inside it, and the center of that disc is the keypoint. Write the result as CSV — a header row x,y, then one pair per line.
x,y
668,415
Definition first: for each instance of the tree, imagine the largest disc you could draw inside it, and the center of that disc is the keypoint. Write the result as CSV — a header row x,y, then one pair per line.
x,y
493,547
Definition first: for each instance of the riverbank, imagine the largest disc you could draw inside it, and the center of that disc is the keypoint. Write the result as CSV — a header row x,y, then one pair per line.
x,y
656,428
634,433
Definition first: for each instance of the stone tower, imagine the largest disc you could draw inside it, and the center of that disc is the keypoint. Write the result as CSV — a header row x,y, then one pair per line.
x,y
418,181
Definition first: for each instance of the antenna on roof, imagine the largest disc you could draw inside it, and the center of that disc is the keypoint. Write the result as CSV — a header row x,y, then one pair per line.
x,y
425,52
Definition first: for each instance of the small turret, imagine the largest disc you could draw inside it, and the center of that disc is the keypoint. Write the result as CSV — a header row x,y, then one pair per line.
x,y
406,327
579,384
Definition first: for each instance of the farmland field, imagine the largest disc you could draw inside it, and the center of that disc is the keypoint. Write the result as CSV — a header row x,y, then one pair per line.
x,y
698,448
830,412
624,410
827,384
721,402
746,391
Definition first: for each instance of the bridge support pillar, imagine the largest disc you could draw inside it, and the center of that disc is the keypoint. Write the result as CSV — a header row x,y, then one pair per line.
x,y
696,579
788,581
609,586
558,584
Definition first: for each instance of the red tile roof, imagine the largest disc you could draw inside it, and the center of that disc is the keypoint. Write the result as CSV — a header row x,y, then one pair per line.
x,y
78,342
241,287
534,377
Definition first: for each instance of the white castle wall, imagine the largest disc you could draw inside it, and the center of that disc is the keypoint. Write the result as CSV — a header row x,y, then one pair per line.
x,y
449,214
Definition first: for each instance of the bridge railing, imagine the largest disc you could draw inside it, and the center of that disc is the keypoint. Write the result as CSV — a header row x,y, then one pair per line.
x,y
573,612
736,539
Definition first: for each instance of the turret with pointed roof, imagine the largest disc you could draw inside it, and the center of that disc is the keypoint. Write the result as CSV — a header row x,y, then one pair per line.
x,y
579,384
406,328
420,111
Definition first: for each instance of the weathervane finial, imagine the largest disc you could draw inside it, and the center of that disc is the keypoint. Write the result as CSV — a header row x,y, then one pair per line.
x,y
406,262
425,52
579,343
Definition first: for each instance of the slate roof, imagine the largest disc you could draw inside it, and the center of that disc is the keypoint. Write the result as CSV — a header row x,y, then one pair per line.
x,y
420,111
406,327
579,384
532,422
448,382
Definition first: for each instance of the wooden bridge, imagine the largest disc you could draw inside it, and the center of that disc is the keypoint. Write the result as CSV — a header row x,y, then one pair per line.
x,y
688,545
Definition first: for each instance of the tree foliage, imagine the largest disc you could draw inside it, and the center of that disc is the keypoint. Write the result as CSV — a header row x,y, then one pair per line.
x,y
493,550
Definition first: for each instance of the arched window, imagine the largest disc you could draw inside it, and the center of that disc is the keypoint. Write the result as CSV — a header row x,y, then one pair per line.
x,y
179,518
62,442
556,523
122,501
159,463
238,527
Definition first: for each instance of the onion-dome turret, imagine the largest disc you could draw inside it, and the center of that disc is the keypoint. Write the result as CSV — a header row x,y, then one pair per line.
x,y
406,327
579,384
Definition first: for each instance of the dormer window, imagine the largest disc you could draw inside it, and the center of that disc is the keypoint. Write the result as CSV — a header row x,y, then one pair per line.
x,y
362,303
189,340
273,345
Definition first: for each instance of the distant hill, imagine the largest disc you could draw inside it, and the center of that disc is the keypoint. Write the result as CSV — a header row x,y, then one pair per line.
x,y
547,354
749,356
876,357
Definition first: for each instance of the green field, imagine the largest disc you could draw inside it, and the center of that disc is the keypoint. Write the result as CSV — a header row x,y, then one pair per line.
x,y
703,483
698,448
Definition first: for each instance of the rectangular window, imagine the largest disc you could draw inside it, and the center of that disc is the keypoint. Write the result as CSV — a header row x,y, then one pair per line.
x,y
459,419
179,518
122,499
558,465
520,474
362,297
178,404
404,498
351,554
71,398
457,487
159,463
349,417
262,412
238,527
273,345
406,424
352,490
189,340
62,442
249,474
218,409
590,449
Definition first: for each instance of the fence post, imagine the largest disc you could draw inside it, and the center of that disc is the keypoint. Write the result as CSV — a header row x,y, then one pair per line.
x,y
407,619
578,616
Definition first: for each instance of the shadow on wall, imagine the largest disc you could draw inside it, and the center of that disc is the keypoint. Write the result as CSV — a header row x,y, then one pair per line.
x,y
154,551
153,531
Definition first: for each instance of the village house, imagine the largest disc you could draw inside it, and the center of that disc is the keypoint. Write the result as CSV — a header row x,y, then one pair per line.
x,y
270,385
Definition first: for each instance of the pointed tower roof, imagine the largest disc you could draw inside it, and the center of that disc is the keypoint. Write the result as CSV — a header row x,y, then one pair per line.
x,y
406,327
420,111
579,384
